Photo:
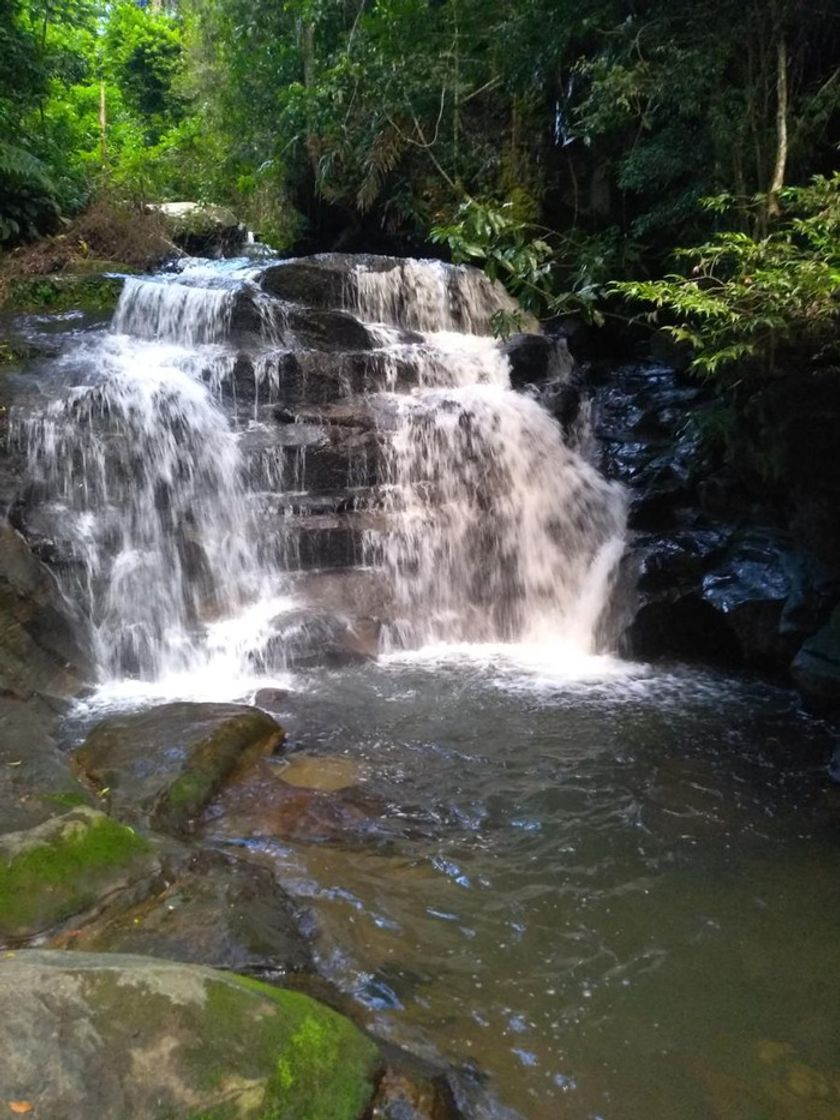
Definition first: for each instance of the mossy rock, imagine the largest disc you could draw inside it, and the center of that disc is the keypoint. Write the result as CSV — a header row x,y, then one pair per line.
x,y
66,866
161,767
115,1035
53,294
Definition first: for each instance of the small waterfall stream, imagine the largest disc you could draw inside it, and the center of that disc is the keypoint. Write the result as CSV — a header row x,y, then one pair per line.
x,y
574,880
226,434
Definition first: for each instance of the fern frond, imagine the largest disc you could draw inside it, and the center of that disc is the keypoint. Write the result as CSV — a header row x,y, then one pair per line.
x,y
22,167
382,157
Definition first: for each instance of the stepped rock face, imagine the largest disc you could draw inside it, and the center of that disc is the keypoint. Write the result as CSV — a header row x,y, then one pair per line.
x,y
243,425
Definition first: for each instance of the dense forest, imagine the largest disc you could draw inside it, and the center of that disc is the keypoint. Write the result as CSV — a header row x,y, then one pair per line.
x,y
579,152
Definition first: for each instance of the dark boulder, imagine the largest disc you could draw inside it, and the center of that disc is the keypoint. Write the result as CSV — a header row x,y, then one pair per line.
x,y
44,644
222,912
307,638
162,766
816,667
537,358
749,589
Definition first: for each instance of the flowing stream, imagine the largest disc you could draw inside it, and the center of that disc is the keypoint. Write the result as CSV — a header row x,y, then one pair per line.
x,y
601,891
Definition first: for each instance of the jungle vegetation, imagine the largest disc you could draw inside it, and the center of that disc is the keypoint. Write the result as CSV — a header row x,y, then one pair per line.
x,y
672,160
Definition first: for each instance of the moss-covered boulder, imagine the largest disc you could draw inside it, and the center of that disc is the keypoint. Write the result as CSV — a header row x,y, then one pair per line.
x,y
140,1039
163,766
66,866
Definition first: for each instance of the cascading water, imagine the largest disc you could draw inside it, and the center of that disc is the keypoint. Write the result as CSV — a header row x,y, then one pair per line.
x,y
501,532
216,439
141,474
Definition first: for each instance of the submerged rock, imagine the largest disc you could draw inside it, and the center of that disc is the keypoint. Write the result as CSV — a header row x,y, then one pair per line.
x,y
328,773
261,804
65,867
164,765
125,1036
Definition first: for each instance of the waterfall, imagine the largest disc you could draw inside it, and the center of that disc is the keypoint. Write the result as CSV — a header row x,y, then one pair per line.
x,y
501,531
218,443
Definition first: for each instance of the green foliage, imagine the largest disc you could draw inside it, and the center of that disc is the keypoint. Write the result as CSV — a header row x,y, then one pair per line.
x,y
491,236
746,301
28,205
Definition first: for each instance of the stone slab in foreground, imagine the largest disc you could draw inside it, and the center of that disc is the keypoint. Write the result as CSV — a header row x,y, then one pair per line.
x,y
111,1035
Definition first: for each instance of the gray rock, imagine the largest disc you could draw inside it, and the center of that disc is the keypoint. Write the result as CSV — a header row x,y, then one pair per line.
x,y
307,638
36,781
43,643
111,1035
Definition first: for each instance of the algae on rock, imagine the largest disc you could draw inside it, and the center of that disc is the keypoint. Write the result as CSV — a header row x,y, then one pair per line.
x,y
66,866
117,1035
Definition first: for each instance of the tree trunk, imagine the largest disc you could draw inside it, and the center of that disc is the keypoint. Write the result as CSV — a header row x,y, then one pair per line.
x,y
103,127
778,181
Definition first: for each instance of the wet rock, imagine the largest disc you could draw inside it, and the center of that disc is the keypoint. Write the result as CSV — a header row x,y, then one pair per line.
x,y
331,591
113,1035
294,380
313,459
36,781
327,773
222,912
537,358
314,281
748,589
161,767
316,329
683,627
304,639
270,698
413,1090
332,280
67,866
816,667
43,642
